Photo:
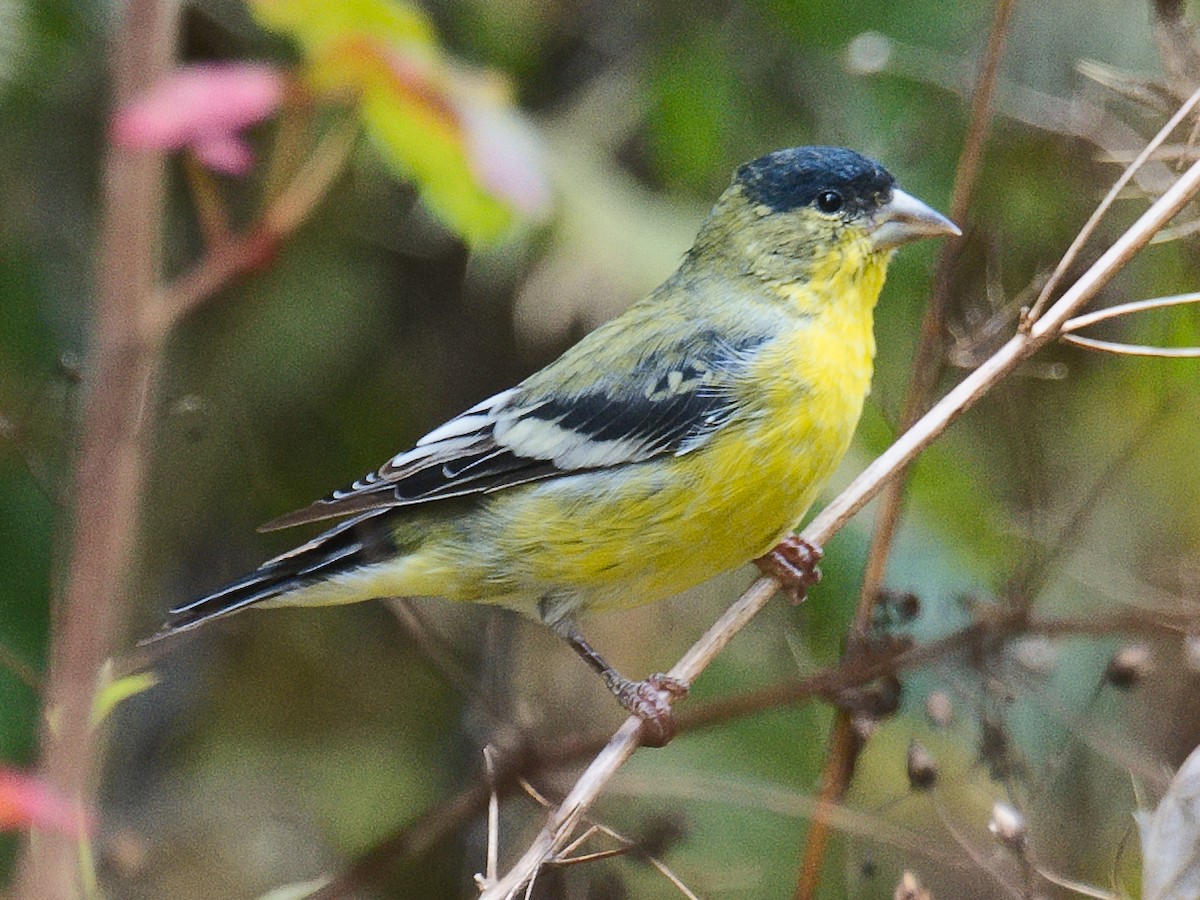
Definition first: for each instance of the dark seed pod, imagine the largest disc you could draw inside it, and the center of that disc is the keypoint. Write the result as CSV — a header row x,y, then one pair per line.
x,y
1128,666
922,768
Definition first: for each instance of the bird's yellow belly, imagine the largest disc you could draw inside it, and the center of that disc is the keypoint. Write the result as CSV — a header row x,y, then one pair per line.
x,y
613,540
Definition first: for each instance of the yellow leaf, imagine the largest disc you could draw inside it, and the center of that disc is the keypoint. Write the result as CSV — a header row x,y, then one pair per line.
x,y
451,131
412,105
314,23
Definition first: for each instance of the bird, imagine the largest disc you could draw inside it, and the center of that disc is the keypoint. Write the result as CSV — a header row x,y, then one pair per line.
x,y
685,437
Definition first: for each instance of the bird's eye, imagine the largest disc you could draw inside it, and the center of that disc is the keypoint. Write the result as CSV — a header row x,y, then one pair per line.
x,y
829,201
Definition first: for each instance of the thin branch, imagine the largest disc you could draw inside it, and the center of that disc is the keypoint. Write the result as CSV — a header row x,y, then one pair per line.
x,y
1125,309
1089,227
1006,359
1142,91
1177,232
1030,581
1131,349
927,368
436,653
447,816
133,318
206,198
1165,153
866,486
251,249
1073,118
300,196
628,844
982,863
1076,887
493,845
18,666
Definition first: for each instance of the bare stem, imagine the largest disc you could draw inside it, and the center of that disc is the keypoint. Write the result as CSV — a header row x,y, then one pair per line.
x,y
513,766
237,255
926,371
134,315
1127,309
1131,349
111,464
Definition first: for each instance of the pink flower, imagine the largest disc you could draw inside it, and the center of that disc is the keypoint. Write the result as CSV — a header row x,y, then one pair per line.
x,y
202,108
28,802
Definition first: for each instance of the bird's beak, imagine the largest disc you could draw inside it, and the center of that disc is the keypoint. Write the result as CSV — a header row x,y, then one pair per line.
x,y
904,218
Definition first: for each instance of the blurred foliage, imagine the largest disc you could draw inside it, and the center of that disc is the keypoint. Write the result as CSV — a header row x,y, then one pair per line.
x,y
448,129
278,745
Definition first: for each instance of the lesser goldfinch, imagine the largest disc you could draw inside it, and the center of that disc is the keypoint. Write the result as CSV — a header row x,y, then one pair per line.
x,y
683,438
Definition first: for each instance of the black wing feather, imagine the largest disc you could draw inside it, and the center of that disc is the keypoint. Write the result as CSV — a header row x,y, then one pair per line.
x,y
514,438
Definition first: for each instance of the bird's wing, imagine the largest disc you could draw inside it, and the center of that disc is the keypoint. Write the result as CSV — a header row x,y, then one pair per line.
x,y
669,403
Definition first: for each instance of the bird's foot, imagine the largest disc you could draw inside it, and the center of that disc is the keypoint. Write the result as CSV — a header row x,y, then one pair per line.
x,y
650,700
794,562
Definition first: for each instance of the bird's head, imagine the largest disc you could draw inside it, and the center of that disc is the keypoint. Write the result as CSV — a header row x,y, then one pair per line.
x,y
797,213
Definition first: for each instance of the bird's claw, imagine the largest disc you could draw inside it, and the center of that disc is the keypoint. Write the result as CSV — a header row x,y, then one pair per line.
x,y
650,700
793,561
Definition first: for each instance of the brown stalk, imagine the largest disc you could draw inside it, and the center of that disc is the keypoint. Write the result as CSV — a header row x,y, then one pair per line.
x,y
87,623
134,316
927,369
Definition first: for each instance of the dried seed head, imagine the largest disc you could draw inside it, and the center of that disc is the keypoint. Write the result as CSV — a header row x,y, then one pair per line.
x,y
868,53
1128,666
1007,826
882,697
863,725
907,606
1037,655
909,888
922,767
939,709
894,608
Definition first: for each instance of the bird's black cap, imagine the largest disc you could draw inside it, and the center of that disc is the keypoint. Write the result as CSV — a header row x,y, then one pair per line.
x,y
787,179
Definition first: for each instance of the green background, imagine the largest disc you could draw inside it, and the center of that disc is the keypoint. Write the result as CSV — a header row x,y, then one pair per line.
x,y
280,744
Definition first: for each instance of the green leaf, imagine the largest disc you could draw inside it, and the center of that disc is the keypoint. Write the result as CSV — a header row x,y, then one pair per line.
x,y
112,693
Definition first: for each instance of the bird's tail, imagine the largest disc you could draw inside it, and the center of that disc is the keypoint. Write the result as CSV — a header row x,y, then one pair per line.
x,y
349,545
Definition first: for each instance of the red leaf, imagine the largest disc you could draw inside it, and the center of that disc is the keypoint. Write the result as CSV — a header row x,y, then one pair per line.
x,y
28,802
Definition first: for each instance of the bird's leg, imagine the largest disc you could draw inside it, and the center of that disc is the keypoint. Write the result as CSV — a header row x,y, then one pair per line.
x,y
794,562
649,700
